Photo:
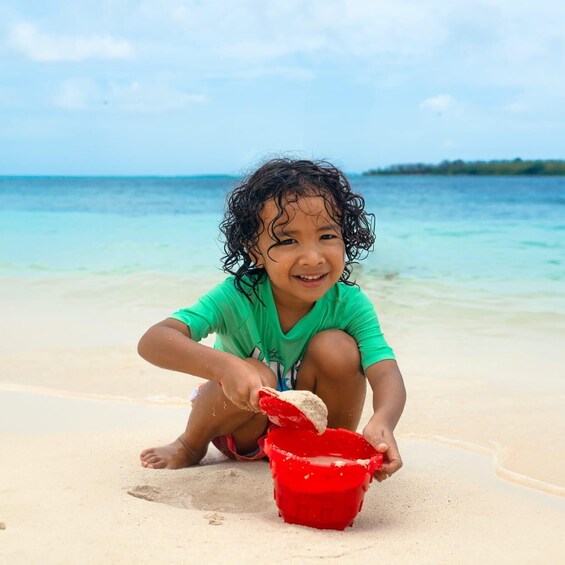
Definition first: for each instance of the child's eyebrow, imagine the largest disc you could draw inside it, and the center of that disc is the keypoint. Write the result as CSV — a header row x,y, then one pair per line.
x,y
323,228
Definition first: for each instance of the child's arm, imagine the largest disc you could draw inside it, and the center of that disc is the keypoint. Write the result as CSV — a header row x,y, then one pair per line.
x,y
389,397
169,346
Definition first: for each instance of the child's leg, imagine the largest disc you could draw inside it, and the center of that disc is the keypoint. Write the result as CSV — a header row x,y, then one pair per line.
x,y
331,368
212,415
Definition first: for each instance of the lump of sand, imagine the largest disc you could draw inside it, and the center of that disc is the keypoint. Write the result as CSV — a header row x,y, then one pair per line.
x,y
311,405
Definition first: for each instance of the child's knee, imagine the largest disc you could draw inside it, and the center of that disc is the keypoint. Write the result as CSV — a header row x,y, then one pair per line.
x,y
334,353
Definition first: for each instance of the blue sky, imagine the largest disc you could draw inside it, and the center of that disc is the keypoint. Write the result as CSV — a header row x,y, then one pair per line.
x,y
173,87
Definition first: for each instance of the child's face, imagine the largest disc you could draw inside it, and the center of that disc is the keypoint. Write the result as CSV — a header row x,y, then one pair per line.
x,y
310,257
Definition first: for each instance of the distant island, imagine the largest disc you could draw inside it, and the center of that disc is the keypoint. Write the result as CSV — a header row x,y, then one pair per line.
x,y
459,167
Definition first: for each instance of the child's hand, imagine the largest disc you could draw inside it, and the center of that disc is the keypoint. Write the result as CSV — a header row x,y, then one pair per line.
x,y
242,383
382,439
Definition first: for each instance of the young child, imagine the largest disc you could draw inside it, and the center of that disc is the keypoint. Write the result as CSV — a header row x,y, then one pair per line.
x,y
287,318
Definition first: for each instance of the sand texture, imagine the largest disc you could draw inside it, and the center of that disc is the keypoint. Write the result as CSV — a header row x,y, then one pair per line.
x,y
481,439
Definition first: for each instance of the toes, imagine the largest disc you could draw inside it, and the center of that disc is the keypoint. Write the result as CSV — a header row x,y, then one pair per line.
x,y
154,463
149,456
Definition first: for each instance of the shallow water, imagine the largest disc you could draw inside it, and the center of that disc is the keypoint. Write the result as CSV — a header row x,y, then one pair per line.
x,y
491,236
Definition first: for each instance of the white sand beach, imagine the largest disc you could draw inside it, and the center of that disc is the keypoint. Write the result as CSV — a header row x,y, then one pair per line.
x,y
481,437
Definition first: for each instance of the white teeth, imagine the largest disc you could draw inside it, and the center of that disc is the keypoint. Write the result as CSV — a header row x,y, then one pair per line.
x,y
311,278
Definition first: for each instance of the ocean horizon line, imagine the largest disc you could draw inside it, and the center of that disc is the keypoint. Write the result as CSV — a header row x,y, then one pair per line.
x,y
233,176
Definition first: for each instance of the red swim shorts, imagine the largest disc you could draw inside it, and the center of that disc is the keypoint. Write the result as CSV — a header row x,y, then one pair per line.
x,y
226,445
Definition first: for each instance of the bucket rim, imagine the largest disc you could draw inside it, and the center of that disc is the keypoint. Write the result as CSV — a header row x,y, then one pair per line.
x,y
371,464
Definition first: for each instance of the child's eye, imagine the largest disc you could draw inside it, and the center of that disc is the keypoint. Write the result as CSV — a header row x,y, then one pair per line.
x,y
288,241
328,236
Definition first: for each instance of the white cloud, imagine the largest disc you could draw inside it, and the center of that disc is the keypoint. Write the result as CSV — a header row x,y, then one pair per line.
x,y
143,98
439,103
529,31
483,42
250,30
133,97
38,46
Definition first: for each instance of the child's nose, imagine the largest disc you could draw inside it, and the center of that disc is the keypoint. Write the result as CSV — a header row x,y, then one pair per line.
x,y
311,255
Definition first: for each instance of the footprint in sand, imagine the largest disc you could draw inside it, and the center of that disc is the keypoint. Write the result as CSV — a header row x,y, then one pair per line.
x,y
212,490
146,492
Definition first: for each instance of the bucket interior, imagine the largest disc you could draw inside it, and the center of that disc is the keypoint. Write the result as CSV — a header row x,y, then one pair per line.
x,y
339,443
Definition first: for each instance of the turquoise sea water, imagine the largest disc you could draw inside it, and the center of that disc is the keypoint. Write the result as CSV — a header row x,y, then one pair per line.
x,y
491,235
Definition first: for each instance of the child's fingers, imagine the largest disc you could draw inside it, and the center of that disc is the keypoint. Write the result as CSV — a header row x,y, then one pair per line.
x,y
392,464
392,461
253,401
254,404
242,404
381,475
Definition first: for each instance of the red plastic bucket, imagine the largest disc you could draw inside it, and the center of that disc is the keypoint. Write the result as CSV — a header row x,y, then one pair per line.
x,y
320,480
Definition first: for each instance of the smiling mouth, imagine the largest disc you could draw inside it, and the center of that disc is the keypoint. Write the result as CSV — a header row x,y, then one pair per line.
x,y
311,278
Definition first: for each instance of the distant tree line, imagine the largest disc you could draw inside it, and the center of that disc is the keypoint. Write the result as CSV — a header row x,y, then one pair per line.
x,y
459,167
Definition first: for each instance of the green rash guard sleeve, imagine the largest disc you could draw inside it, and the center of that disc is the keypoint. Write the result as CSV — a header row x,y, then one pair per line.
x,y
364,326
219,311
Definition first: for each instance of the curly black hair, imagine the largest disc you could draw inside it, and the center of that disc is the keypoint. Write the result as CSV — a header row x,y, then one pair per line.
x,y
285,180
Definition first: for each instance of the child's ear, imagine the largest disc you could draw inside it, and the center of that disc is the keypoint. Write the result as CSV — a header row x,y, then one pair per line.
x,y
256,257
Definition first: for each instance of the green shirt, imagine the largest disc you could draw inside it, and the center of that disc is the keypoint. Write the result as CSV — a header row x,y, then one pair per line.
x,y
250,329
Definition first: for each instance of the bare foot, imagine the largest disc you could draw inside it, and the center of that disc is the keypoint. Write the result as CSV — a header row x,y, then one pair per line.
x,y
175,455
